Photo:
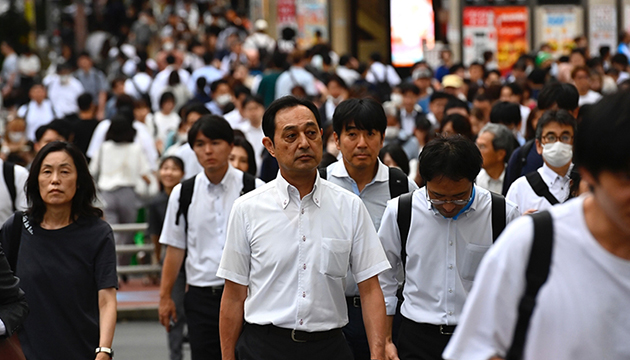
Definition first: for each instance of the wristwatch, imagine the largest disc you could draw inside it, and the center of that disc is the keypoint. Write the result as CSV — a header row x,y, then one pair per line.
x,y
106,350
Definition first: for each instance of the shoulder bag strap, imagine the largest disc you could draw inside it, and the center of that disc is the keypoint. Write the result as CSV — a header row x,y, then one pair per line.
x,y
498,215
540,188
404,223
8,171
398,183
15,240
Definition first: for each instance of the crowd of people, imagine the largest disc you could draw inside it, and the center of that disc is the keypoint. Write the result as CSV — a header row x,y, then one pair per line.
x,y
246,150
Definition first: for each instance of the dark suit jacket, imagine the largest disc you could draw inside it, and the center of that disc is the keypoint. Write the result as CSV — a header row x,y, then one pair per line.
x,y
13,307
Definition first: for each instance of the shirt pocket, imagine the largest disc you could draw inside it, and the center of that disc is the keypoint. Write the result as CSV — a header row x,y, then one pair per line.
x,y
335,257
472,257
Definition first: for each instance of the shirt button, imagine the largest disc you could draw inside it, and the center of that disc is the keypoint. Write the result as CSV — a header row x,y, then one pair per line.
x,y
302,211
304,267
450,290
450,313
450,243
301,321
450,267
303,238
304,294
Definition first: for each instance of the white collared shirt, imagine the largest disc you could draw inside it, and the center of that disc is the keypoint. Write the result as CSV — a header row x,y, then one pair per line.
x,y
64,96
6,208
523,195
36,116
374,195
207,221
376,74
442,256
408,120
294,253
485,181
581,310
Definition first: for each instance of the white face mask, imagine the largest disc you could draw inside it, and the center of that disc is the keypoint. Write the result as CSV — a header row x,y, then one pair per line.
x,y
557,154
168,46
335,100
397,99
16,136
64,79
223,100
391,132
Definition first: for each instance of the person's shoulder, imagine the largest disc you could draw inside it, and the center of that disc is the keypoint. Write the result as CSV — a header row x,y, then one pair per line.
x,y
252,197
95,225
339,193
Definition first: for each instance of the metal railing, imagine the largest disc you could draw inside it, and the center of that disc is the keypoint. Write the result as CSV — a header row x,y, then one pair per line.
x,y
135,249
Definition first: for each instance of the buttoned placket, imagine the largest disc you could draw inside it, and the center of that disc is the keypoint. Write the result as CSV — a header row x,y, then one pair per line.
x,y
304,245
216,191
451,272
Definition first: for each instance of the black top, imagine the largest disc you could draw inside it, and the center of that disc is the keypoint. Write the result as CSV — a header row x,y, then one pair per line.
x,y
157,212
83,130
61,272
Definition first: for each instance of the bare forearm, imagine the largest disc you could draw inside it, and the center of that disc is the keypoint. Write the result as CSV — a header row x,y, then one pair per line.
x,y
231,318
157,247
172,264
374,316
107,316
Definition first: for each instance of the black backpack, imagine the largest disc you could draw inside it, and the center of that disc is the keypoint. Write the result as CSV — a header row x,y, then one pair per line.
x,y
186,194
8,171
404,219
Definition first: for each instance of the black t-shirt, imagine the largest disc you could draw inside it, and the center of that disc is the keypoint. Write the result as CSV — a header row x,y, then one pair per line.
x,y
61,272
83,130
157,212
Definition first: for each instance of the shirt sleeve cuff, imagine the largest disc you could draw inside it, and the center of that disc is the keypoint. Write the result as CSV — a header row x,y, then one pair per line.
x,y
391,302
3,328
372,271
233,277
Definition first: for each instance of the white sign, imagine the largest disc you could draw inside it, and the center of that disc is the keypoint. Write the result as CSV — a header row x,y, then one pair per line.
x,y
602,28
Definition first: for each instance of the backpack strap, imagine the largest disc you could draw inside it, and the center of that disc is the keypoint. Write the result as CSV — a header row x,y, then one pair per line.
x,y
249,183
323,173
540,188
536,275
398,183
8,171
498,215
404,223
185,198
14,240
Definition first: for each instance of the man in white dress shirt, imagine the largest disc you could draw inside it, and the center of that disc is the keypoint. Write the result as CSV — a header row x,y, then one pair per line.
x,y
359,126
451,226
288,250
550,184
496,143
198,236
37,112
580,310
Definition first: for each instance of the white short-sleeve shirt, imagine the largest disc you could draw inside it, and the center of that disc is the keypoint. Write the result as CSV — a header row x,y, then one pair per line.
x,y
523,195
581,310
294,253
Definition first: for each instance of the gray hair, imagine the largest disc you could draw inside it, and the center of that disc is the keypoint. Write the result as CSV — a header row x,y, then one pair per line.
x,y
503,138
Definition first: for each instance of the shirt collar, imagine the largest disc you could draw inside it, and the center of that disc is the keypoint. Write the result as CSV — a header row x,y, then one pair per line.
x,y
228,178
339,170
550,177
471,207
283,187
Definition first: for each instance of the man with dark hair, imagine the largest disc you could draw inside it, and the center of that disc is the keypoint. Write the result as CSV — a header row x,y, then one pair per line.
x,y
576,258
84,128
456,106
296,79
94,82
513,93
581,76
191,114
410,109
550,184
359,126
221,94
526,158
56,130
198,235
160,82
508,114
496,143
347,69
438,234
290,235
437,103
208,71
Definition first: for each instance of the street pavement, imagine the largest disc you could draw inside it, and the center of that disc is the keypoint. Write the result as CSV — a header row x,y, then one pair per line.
x,y
137,340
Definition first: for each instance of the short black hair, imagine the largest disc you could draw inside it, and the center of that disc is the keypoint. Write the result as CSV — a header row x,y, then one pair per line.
x,y
240,90
437,95
619,58
85,195
213,127
454,103
505,112
367,114
397,154
409,87
285,102
565,96
454,157
60,126
120,130
251,155
176,160
167,96
601,142
561,117
461,125
199,108
85,101
215,84
336,78
251,98
515,88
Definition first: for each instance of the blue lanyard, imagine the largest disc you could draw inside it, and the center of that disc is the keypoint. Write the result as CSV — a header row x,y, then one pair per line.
x,y
472,198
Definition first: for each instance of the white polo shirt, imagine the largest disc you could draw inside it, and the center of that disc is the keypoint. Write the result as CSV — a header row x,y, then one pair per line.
x,y
294,253
522,194
442,256
36,116
207,221
581,310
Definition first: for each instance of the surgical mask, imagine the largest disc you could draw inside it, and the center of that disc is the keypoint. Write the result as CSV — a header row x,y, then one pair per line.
x,y
397,99
64,79
391,132
16,136
557,154
223,100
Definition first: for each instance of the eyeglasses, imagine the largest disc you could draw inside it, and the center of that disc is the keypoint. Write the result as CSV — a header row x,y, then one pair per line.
x,y
458,202
552,138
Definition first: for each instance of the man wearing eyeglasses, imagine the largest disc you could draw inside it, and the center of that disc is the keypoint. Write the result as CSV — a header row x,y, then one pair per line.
x,y
450,231
550,184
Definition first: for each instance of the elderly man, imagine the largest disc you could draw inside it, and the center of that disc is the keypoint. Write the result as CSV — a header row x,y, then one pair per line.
x,y
496,143
288,249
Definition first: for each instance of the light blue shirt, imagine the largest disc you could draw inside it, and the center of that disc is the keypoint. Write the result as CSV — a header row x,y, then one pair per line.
x,y
209,72
295,76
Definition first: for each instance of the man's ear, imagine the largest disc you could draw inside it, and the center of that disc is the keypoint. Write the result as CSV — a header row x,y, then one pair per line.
x,y
269,146
336,140
539,147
